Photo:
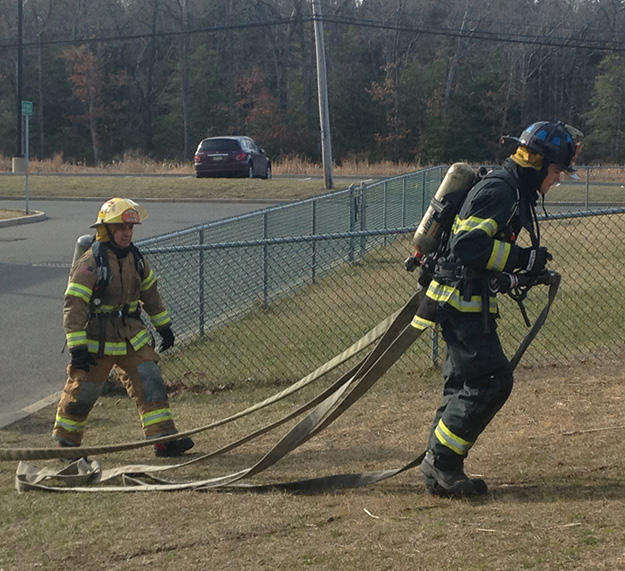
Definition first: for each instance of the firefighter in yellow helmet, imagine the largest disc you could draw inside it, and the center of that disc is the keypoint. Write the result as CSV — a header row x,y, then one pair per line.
x,y
109,285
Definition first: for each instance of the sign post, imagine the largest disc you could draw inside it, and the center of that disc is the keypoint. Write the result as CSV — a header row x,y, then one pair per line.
x,y
27,111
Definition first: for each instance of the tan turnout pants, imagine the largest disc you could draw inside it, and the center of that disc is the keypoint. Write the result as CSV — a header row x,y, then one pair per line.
x,y
143,383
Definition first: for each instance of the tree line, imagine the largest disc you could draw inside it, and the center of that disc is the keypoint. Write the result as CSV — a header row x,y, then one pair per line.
x,y
422,81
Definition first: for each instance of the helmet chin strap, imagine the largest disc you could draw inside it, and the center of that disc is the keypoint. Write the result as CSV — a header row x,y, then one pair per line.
x,y
542,173
110,234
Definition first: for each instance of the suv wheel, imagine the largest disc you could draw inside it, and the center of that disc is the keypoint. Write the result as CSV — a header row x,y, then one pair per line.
x,y
267,172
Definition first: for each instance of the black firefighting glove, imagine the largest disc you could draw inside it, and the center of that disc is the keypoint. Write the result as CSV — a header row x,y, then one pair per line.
x,y
80,358
167,338
503,283
533,260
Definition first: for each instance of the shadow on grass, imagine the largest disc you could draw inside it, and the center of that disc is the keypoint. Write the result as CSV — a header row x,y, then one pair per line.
x,y
600,490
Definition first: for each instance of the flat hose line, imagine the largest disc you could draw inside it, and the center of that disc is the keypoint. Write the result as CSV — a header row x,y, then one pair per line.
x,y
66,453
399,335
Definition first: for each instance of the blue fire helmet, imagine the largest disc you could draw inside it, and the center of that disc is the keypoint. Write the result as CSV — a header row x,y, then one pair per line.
x,y
553,140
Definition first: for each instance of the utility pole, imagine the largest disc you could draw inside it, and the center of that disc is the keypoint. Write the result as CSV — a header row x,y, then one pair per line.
x,y
19,80
322,90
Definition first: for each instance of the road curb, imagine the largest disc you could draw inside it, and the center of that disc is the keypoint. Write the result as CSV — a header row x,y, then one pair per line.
x,y
6,419
35,216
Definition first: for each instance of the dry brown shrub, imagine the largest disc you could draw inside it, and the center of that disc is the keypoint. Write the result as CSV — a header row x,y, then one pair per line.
x,y
299,165
133,162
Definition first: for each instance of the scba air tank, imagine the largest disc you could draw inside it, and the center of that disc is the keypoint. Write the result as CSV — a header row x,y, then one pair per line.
x,y
428,235
82,245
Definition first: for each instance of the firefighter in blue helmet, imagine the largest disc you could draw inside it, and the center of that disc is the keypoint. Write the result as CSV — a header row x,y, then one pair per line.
x,y
109,285
477,375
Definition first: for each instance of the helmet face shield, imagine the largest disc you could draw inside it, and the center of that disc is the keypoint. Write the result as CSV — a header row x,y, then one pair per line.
x,y
120,211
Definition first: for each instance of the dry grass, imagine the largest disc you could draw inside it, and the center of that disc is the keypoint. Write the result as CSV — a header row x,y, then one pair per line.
x,y
130,164
7,214
295,165
552,458
133,164
55,179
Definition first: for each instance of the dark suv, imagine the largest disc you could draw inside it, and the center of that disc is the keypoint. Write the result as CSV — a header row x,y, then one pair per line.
x,y
231,156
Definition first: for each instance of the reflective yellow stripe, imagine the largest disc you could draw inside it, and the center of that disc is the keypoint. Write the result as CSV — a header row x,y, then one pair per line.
x,y
80,291
70,425
160,319
156,416
110,348
149,281
132,307
420,323
76,338
140,339
451,295
499,256
114,347
486,225
447,438
106,309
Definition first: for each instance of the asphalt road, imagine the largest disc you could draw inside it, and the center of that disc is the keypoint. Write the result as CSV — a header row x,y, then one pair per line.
x,y
34,264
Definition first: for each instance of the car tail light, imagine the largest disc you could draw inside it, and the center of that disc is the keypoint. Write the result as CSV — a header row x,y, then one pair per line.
x,y
197,157
241,156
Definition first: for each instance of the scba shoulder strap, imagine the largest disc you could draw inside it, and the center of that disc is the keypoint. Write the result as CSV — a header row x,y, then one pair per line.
x,y
103,271
139,261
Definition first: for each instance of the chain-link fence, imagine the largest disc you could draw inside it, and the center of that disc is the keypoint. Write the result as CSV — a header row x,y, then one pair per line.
x,y
272,295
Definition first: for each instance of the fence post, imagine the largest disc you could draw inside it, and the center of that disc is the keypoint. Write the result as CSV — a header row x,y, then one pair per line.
x,y
353,215
422,194
314,242
265,263
403,201
201,292
587,198
363,218
385,211
434,337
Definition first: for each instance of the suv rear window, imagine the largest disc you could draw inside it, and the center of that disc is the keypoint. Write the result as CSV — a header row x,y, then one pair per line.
x,y
225,145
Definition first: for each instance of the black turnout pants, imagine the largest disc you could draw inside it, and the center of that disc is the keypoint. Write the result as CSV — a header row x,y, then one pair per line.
x,y
477,382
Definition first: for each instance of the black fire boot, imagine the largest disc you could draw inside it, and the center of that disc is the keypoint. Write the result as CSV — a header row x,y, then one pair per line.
x,y
173,447
450,481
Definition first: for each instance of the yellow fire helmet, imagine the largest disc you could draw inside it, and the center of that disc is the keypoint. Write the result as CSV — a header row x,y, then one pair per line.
x,y
120,211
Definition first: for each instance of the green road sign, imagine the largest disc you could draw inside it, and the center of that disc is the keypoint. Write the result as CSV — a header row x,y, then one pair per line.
x,y
27,107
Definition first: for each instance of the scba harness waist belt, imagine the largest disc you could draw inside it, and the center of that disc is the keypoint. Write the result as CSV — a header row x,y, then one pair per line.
x,y
455,271
124,312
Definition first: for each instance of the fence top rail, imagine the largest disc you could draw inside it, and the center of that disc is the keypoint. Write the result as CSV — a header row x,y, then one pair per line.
x,y
342,235
208,226
271,209
276,241
582,213
225,221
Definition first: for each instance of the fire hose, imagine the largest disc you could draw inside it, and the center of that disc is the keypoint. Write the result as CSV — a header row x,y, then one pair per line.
x,y
394,336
